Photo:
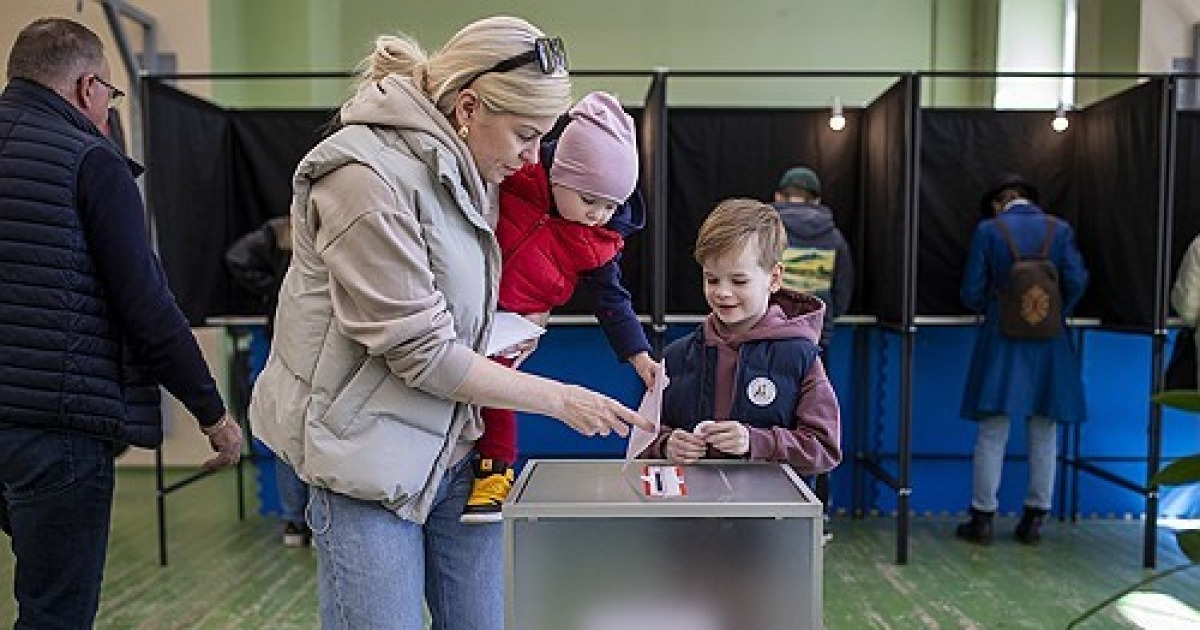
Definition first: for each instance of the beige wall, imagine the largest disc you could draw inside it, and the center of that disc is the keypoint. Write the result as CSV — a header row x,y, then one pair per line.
x,y
1167,27
184,30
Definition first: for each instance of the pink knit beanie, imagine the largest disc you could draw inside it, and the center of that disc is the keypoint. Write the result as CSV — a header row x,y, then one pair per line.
x,y
597,152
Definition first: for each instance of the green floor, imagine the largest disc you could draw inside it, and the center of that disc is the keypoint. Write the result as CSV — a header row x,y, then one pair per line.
x,y
229,574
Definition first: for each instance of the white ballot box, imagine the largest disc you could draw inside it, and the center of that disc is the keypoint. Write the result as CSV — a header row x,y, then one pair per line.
x,y
720,545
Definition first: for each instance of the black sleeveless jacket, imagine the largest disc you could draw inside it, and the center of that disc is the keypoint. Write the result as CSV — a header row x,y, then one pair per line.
x,y
64,362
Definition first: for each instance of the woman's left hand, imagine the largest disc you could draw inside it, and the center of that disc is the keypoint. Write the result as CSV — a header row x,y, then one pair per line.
x,y
727,436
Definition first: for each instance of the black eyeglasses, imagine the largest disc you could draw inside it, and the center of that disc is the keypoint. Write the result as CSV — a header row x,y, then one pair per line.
x,y
115,94
549,53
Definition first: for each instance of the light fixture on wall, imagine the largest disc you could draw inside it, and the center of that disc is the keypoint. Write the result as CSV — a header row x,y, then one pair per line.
x,y
1060,122
837,118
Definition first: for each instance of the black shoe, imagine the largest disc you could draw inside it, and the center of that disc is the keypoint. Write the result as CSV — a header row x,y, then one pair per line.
x,y
1029,529
978,530
296,535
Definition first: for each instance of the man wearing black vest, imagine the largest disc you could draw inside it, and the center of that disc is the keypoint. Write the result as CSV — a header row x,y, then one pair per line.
x,y
88,327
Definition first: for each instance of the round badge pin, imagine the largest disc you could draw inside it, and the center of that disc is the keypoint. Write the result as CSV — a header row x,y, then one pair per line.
x,y
761,391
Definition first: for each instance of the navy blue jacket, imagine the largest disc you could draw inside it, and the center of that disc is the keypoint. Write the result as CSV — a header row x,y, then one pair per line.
x,y
692,368
88,326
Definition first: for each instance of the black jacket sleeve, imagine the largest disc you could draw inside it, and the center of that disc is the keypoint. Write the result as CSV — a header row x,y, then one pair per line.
x,y
614,309
110,207
250,261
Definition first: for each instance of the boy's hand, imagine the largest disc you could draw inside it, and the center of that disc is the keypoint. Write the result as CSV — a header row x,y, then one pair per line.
x,y
727,436
683,447
645,367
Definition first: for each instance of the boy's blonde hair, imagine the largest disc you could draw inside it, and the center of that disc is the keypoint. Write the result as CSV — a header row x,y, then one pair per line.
x,y
524,91
731,225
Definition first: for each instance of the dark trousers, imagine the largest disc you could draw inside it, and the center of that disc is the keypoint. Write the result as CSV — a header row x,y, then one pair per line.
x,y
56,492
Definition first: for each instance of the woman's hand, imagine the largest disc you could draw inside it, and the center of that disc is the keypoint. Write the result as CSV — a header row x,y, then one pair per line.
x,y
727,436
645,367
683,447
591,413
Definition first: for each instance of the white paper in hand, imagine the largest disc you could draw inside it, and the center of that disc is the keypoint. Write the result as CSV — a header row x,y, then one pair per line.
x,y
650,409
510,329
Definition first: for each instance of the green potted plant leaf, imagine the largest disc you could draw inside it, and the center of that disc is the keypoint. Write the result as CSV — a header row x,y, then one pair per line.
x,y
1181,472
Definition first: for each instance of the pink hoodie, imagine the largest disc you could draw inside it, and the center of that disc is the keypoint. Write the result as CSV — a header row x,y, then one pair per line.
x,y
814,445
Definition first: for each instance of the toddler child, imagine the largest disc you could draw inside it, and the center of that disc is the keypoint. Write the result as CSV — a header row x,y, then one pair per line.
x,y
562,224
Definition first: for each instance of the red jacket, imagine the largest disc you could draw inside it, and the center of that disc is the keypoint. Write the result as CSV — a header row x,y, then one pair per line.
x,y
543,252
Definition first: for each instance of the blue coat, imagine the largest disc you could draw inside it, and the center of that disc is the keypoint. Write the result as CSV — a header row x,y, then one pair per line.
x,y
1017,377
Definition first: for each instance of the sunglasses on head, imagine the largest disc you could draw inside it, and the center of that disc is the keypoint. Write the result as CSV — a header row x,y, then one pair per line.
x,y
549,53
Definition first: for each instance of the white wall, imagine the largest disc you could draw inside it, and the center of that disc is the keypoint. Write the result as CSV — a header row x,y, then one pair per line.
x,y
1167,27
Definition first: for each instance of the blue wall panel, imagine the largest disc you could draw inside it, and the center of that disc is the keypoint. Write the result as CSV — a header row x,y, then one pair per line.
x,y
1116,377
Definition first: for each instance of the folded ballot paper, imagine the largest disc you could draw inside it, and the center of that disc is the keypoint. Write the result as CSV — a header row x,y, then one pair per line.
x,y
508,330
650,409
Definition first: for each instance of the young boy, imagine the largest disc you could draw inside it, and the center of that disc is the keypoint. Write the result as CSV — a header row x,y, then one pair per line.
x,y
748,383
562,224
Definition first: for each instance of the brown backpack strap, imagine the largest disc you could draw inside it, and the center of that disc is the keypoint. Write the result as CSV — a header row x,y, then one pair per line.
x,y
1008,238
1049,238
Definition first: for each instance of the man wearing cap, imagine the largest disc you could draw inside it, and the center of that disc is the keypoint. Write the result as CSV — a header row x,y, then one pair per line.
x,y
817,260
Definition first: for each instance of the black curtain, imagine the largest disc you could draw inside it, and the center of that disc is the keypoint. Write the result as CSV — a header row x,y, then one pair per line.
x,y
882,260
187,182
265,147
716,154
963,151
213,175
1117,168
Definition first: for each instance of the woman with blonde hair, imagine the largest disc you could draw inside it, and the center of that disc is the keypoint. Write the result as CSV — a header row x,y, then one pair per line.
x,y
375,379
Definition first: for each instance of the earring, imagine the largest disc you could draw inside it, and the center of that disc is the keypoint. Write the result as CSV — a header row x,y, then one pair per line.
x,y
463,131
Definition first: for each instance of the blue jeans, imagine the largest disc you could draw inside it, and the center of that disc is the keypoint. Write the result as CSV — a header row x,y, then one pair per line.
x,y
293,493
376,570
990,443
55,504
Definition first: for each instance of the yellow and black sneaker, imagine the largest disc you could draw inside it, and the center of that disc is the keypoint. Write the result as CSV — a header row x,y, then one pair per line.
x,y
493,480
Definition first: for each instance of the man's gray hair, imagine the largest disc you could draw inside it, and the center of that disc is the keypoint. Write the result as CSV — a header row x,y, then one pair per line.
x,y
53,51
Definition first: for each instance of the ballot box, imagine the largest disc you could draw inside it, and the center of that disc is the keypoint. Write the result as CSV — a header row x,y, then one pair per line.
x,y
720,545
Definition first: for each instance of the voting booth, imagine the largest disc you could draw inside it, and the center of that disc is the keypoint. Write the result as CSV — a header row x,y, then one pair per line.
x,y
719,545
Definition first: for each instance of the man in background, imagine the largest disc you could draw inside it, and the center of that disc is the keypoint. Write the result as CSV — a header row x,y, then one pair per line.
x,y
817,261
88,327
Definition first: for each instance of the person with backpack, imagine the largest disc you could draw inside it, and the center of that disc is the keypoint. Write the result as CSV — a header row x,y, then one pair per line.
x,y
1024,274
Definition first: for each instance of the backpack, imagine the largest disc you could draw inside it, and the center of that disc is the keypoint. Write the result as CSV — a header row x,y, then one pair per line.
x,y
1031,302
